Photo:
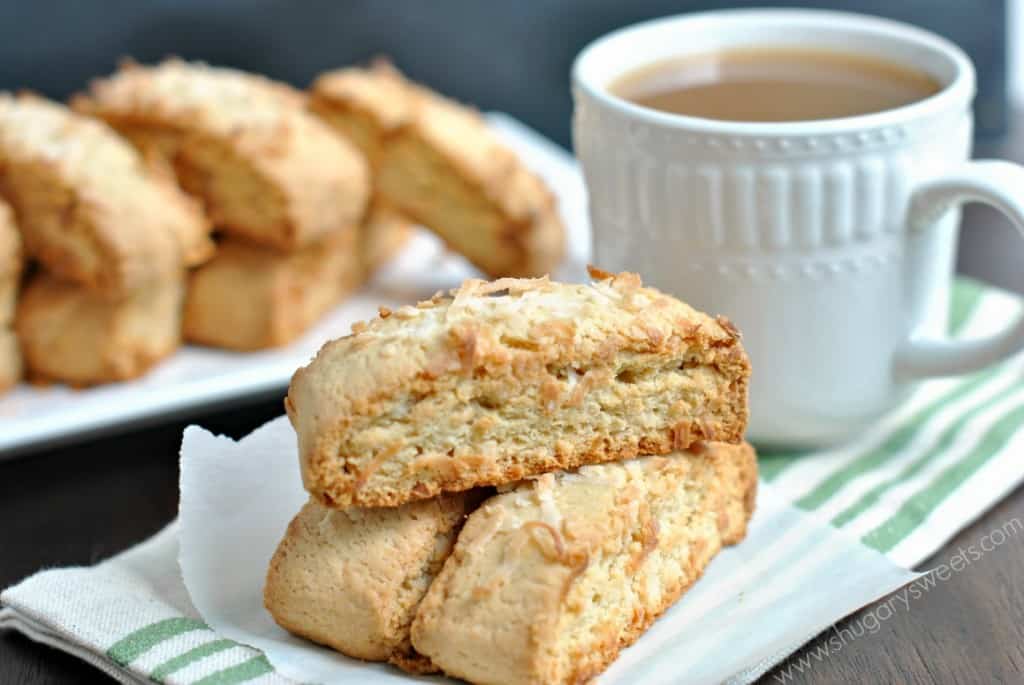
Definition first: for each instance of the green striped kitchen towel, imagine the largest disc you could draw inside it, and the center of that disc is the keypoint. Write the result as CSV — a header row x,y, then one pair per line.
x,y
131,617
904,489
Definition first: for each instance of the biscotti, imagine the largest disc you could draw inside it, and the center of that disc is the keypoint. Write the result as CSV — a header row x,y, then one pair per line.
x,y
86,204
548,582
10,360
74,335
367,105
249,297
266,169
504,380
352,579
382,236
438,162
11,260
736,467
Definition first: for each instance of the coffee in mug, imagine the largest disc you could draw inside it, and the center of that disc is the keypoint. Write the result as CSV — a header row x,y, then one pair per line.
x,y
774,84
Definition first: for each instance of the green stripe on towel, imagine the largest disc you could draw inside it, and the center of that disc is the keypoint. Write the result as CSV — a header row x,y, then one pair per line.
x,y
891,446
916,509
179,662
770,465
936,451
967,293
247,670
128,649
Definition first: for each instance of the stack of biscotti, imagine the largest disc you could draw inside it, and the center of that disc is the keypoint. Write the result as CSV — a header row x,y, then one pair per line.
x,y
111,239
287,194
436,161
511,482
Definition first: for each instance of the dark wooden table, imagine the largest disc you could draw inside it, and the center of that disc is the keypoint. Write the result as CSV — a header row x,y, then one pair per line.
x,y
83,503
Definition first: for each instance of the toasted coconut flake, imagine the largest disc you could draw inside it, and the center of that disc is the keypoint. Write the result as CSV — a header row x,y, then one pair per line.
x,y
466,347
729,327
379,459
698,448
681,435
578,567
554,551
654,335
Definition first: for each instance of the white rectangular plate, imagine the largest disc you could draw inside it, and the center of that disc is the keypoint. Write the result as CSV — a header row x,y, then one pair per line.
x,y
33,418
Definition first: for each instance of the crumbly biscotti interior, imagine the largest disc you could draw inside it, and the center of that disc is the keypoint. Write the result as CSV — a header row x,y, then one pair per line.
x,y
158,146
459,431
511,379
237,198
421,182
359,127
382,236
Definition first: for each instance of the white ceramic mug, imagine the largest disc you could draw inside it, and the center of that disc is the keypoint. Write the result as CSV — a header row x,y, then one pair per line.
x,y
829,243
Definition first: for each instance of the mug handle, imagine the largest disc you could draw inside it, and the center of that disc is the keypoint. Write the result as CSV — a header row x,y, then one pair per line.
x,y
998,184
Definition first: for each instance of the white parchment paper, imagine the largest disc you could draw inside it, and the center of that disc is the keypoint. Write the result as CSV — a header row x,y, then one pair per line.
x,y
790,579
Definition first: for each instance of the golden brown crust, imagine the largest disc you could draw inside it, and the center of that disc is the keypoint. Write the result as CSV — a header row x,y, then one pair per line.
x,y
737,471
265,169
352,580
73,335
10,264
10,276
548,582
86,203
250,297
440,164
500,381
10,360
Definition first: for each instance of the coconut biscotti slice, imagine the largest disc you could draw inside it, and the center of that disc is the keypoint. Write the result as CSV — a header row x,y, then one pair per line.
x,y
266,169
352,579
548,582
71,334
439,162
367,105
10,360
504,380
11,265
250,297
87,205
382,236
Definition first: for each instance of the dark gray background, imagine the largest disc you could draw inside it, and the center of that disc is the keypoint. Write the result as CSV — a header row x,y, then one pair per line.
x,y
513,56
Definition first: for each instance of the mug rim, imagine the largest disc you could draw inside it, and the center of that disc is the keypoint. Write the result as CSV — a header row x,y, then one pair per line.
x,y
960,89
